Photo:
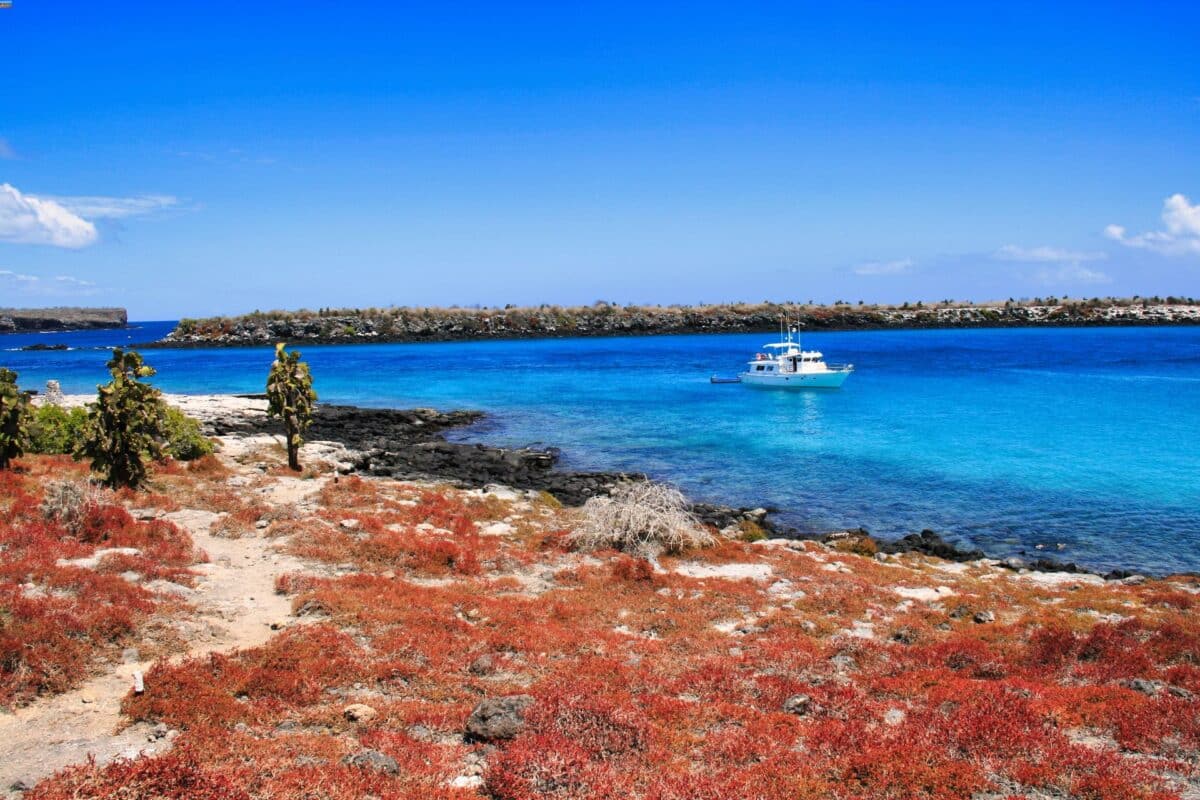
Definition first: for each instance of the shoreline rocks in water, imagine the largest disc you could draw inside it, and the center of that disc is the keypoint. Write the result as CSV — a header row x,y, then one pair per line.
x,y
31,320
411,445
328,326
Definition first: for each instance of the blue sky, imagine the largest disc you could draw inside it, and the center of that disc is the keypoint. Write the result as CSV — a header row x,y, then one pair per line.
x,y
188,159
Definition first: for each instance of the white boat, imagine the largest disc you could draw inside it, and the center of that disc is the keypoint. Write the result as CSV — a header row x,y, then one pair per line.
x,y
786,365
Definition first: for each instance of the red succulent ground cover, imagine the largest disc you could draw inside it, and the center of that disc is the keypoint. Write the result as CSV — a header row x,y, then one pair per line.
x,y
819,674
57,619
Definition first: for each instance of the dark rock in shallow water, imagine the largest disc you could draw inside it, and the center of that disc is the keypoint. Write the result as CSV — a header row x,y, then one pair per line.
x,y
721,517
410,444
42,346
930,544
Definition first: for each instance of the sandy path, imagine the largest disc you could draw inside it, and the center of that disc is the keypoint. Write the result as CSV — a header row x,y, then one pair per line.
x,y
235,604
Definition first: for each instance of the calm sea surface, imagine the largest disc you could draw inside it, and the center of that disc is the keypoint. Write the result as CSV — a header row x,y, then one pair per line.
x,y
1084,441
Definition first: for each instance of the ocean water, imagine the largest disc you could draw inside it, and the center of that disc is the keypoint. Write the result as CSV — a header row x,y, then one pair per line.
x,y
1083,441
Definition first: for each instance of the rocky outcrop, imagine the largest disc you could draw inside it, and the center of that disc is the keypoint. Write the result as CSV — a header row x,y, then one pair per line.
x,y
410,444
14,320
429,324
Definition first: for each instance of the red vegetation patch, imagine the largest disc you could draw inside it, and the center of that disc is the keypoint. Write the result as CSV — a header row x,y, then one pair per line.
x,y
57,617
650,684
175,774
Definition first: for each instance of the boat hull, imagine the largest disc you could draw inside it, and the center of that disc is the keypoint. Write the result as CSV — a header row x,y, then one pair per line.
x,y
803,380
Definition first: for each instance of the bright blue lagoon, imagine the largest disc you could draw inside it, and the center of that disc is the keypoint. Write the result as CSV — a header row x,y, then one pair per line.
x,y
1003,439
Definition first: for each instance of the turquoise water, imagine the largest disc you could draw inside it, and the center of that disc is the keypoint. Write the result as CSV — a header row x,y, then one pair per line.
x,y
1085,441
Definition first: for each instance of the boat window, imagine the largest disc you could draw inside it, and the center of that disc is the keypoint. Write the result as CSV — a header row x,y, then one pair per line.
x,y
759,368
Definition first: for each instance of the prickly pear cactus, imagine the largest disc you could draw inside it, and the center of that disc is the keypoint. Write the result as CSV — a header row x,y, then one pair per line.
x,y
14,418
125,424
290,397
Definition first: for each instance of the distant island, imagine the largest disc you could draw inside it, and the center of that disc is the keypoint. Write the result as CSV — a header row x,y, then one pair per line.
x,y
402,324
29,320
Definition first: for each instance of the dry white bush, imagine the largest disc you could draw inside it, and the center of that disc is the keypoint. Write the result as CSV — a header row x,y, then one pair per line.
x,y
643,518
68,501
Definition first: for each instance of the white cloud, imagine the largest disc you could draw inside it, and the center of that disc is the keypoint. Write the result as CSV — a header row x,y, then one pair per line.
x,y
28,285
6,149
1182,236
96,207
67,221
25,219
1046,255
898,267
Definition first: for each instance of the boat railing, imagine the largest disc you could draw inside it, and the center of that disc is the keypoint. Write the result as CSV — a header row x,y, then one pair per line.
x,y
841,367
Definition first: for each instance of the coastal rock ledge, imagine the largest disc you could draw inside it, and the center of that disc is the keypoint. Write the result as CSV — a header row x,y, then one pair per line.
x,y
333,326
18,320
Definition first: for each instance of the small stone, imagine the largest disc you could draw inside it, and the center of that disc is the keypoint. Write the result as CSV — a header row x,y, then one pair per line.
x,y
798,704
130,655
984,617
87,697
19,786
844,663
421,733
893,716
262,523
359,712
308,761
498,717
312,607
1144,686
960,612
484,665
374,761
350,524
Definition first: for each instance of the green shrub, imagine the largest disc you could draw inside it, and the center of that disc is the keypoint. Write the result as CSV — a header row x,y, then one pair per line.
x,y
57,430
14,418
125,424
185,442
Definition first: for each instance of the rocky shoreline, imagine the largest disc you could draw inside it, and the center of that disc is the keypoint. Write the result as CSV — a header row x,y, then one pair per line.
x,y
412,445
32,320
438,325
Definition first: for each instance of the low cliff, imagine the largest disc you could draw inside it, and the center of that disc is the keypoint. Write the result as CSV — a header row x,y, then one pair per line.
x,y
439,324
16,320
